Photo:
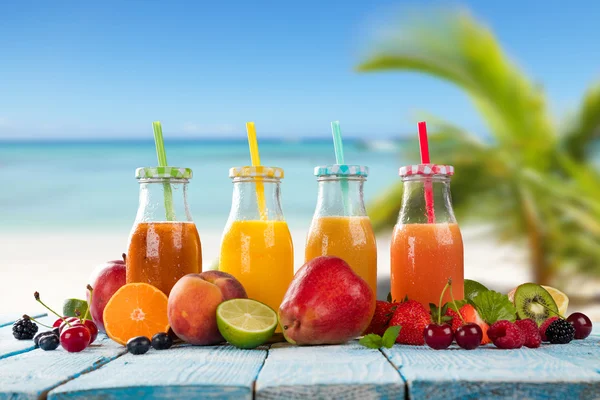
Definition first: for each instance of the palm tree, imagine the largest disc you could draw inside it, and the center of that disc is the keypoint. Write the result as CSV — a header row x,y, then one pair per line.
x,y
531,179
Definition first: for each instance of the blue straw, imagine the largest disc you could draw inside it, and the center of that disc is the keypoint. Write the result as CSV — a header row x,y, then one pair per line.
x,y
339,159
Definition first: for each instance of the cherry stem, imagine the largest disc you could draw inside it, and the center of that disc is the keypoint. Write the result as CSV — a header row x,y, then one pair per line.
x,y
37,322
124,257
549,309
37,298
89,287
455,306
440,304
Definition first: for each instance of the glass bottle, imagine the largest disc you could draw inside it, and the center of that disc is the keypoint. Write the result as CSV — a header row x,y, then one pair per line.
x,y
164,244
340,226
427,246
257,246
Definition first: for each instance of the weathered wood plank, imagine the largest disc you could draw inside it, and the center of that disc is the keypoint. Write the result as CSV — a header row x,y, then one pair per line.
x,y
9,346
8,319
491,373
348,371
181,372
32,374
584,353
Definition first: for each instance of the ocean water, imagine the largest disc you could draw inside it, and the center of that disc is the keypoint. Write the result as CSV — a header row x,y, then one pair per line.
x,y
90,186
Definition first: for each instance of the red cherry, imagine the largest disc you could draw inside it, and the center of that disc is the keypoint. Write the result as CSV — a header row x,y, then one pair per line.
x,y
72,321
57,323
75,338
468,336
91,326
438,337
582,325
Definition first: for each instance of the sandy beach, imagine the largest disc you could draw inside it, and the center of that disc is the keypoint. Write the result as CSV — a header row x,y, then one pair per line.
x,y
58,265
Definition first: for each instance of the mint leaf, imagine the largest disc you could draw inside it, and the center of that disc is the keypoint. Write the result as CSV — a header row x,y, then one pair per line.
x,y
372,341
390,336
493,306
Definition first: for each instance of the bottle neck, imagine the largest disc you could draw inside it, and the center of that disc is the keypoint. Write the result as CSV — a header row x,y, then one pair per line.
x,y
163,200
246,202
340,197
414,208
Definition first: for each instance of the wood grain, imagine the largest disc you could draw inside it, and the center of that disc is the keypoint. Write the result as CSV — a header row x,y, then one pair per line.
x,y
492,373
348,371
9,346
182,372
32,374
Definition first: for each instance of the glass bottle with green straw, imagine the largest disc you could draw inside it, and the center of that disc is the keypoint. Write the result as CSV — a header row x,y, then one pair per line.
x,y
164,244
340,225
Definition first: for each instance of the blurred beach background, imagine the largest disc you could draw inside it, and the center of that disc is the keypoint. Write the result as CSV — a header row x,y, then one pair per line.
x,y
81,84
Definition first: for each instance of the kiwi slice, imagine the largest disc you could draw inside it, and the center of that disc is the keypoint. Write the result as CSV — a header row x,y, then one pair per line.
x,y
533,301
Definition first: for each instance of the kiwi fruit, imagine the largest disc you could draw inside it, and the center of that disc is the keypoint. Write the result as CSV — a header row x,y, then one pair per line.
x,y
533,301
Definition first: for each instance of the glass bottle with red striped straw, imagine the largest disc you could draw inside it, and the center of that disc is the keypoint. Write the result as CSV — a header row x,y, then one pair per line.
x,y
427,246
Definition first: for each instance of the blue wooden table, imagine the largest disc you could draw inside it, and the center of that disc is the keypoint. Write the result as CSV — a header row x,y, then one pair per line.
x,y
281,371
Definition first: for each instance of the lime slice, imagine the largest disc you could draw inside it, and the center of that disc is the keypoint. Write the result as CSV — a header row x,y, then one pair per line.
x,y
246,323
70,305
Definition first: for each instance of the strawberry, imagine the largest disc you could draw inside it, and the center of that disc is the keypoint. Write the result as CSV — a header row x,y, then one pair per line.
x,y
383,313
455,322
413,318
470,314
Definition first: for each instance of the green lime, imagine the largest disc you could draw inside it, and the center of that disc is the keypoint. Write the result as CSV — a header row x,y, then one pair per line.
x,y
246,323
473,288
70,305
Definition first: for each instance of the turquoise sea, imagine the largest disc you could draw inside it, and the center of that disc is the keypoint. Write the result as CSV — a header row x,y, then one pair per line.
x,y
90,186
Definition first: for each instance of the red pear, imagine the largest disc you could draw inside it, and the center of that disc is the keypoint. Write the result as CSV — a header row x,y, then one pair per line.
x,y
326,303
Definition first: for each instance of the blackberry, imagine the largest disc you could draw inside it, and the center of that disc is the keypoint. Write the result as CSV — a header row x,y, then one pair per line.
x,y
24,329
560,332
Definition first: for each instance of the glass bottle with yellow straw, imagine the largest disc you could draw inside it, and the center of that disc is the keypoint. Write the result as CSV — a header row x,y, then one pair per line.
x,y
257,246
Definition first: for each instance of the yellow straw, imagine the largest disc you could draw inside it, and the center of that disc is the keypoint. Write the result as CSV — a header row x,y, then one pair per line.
x,y
255,159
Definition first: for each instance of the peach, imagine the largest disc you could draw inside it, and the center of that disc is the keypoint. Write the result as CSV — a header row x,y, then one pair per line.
x,y
193,303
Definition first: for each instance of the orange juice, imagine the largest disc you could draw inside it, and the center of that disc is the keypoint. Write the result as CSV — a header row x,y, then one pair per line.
x,y
423,257
160,253
351,239
260,255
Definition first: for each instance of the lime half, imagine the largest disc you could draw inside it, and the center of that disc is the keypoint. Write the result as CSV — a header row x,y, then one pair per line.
x,y
246,323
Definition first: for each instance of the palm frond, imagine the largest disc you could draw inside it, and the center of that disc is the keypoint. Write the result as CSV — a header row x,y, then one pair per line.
x,y
456,48
584,130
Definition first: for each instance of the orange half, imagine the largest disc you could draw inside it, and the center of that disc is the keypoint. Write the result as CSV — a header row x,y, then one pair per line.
x,y
136,309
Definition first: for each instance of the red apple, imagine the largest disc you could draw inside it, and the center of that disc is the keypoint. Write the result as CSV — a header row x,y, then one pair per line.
x,y
106,279
193,305
326,303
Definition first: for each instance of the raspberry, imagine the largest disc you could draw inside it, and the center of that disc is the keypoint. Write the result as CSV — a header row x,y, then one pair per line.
x,y
506,335
533,339
545,326
560,332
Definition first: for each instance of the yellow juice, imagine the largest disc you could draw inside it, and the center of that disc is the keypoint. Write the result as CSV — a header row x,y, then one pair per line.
x,y
260,255
349,238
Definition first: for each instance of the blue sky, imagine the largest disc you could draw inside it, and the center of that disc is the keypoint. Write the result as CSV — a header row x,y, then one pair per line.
x,y
89,69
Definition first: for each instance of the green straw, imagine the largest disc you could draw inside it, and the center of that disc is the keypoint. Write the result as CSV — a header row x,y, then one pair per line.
x,y
339,159
162,162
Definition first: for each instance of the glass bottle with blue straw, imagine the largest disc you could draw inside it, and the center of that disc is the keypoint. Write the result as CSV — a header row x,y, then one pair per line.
x,y
340,226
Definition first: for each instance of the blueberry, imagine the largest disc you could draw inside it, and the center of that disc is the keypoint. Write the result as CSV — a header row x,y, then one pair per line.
x,y
36,339
49,342
161,341
138,345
